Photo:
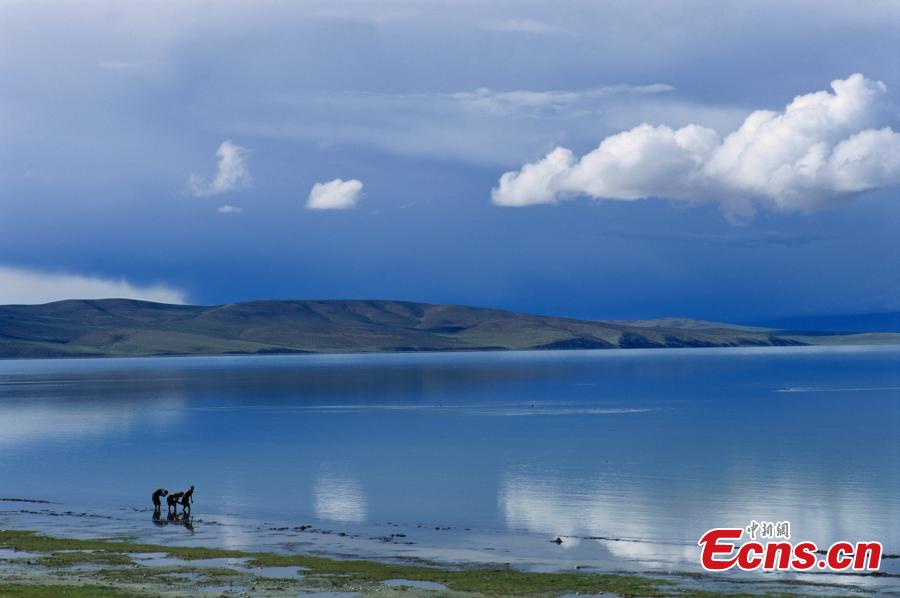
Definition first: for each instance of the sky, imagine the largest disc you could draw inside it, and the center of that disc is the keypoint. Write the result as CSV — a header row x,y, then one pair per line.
x,y
714,159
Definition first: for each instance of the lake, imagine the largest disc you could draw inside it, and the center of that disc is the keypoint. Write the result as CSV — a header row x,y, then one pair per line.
x,y
627,455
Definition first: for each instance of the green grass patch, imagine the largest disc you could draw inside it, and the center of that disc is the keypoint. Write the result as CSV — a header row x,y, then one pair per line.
x,y
340,573
31,542
510,583
145,575
67,559
22,590
499,581
169,575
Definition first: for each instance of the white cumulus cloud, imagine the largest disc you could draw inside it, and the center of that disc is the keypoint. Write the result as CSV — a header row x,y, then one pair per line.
x,y
22,286
334,195
822,147
231,173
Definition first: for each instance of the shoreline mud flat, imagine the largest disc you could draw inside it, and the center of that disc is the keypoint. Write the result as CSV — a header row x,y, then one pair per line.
x,y
107,562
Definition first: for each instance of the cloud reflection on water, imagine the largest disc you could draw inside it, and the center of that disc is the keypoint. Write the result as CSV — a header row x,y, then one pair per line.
x,y
340,498
647,519
620,522
24,422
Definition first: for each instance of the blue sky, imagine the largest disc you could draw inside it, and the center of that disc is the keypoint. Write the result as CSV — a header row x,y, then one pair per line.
x,y
216,152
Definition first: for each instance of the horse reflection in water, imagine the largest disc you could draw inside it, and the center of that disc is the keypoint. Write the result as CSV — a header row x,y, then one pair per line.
x,y
172,518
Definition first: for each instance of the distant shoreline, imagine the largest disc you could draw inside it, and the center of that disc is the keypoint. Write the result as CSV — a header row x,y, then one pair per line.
x,y
129,328
834,345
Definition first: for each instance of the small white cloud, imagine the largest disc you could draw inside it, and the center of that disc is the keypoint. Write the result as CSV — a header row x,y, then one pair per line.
x,y
550,102
23,286
124,65
226,209
822,147
334,195
231,173
527,26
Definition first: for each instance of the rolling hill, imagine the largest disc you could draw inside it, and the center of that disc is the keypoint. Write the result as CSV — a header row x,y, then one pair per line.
x,y
123,327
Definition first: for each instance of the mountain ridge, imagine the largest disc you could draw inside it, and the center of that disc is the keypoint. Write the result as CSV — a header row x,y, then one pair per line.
x,y
128,327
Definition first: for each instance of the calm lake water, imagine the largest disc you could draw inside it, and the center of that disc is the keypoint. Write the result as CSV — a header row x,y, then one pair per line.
x,y
628,455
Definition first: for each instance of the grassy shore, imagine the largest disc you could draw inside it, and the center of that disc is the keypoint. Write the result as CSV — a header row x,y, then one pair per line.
x,y
111,568
88,568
